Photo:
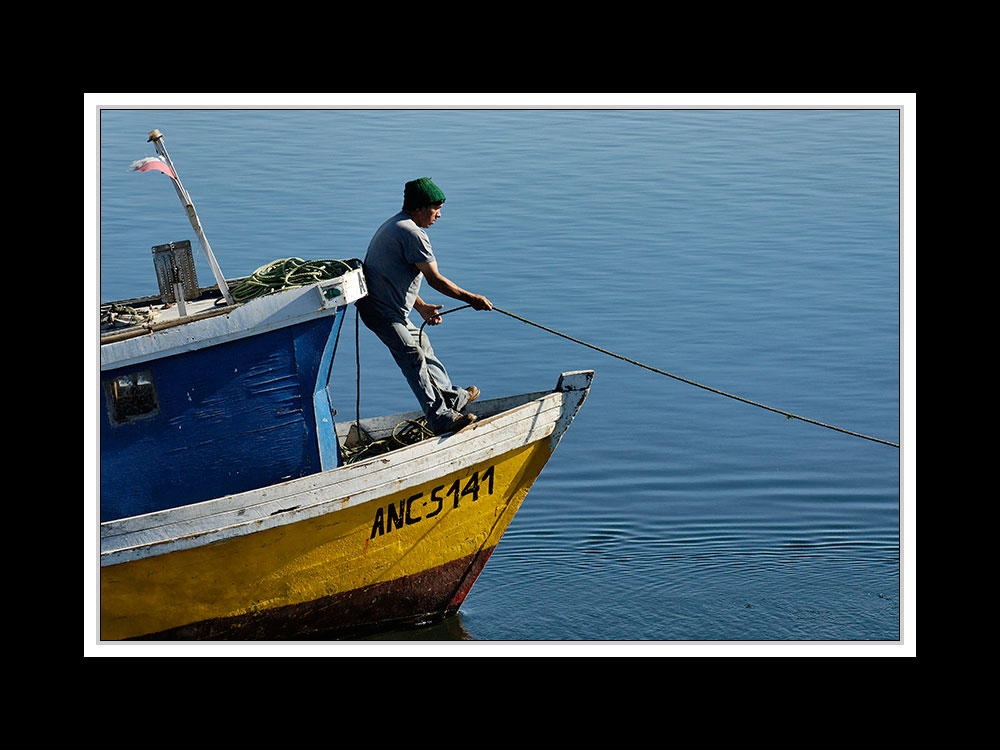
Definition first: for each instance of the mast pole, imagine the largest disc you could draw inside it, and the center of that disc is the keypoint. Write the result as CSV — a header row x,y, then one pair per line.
x,y
156,138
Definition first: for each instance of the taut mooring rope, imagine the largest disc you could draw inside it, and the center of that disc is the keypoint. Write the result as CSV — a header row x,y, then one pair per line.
x,y
786,414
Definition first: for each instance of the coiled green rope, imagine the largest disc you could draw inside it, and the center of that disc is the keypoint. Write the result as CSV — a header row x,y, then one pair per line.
x,y
285,274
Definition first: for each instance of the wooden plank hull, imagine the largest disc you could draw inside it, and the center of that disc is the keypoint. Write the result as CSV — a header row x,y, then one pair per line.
x,y
231,399
390,541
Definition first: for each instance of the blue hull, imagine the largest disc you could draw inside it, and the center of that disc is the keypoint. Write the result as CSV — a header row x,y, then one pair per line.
x,y
228,418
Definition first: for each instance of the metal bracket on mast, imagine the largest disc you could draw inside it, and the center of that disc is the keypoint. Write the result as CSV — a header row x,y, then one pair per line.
x,y
156,137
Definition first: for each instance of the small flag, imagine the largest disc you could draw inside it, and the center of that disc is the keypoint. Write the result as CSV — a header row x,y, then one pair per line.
x,y
151,162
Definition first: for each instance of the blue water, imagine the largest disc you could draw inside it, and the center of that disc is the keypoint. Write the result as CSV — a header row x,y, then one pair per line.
x,y
754,251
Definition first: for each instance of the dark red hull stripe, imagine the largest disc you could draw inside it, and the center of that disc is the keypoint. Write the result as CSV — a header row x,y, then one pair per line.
x,y
426,597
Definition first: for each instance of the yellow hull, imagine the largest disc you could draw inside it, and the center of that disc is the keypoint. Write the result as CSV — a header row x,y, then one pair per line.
x,y
400,558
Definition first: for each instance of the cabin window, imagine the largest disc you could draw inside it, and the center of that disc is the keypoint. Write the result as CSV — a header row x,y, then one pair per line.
x,y
131,397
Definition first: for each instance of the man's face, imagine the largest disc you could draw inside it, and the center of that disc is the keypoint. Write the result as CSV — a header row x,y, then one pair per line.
x,y
424,217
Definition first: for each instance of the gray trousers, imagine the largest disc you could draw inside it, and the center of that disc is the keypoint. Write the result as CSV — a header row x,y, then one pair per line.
x,y
439,400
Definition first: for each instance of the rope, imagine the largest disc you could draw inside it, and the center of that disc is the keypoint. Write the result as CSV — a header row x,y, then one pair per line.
x,y
405,433
787,415
357,364
413,430
285,274
116,315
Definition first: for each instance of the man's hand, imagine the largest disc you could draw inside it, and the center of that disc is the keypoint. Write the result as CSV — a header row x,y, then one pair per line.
x,y
479,302
428,312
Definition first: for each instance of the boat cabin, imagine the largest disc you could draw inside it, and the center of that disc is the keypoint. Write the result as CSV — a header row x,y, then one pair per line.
x,y
202,398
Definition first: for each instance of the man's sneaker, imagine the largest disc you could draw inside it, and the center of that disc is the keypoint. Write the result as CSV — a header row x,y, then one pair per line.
x,y
473,394
458,423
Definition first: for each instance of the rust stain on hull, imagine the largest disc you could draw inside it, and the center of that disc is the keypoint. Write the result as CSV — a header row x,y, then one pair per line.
x,y
423,598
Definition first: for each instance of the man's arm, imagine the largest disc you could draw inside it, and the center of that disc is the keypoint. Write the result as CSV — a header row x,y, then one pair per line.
x,y
450,289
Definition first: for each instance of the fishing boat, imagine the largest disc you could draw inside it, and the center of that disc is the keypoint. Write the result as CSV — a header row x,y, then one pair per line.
x,y
236,506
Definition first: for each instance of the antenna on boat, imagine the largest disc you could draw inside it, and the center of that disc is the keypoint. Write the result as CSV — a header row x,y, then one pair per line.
x,y
156,138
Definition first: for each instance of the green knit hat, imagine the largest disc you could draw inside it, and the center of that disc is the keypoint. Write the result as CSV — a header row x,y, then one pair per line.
x,y
420,193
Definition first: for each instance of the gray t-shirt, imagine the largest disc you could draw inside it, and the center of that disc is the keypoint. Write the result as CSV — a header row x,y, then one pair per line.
x,y
393,280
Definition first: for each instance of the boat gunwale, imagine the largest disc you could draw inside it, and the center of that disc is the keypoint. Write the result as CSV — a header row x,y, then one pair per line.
x,y
291,487
459,450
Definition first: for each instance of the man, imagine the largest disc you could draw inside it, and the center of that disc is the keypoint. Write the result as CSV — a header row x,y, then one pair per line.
x,y
399,257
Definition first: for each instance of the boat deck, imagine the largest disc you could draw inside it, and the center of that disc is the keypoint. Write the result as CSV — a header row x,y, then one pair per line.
x,y
135,316
207,320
